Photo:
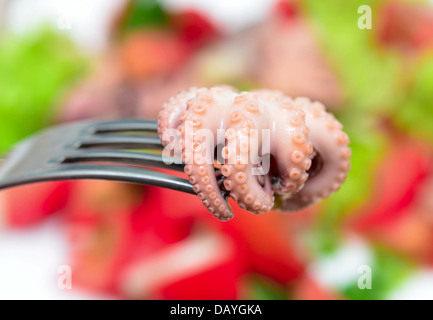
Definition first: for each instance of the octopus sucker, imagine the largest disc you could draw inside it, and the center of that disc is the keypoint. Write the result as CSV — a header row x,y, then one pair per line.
x,y
274,151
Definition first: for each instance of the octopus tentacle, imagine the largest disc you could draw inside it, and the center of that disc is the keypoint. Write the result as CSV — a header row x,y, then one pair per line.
x,y
246,190
293,149
330,157
242,167
172,110
198,151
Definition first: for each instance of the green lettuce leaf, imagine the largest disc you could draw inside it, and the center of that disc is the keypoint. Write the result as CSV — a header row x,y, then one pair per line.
x,y
35,69
415,113
370,77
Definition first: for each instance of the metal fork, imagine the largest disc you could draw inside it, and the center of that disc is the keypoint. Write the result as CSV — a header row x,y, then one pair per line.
x,y
104,150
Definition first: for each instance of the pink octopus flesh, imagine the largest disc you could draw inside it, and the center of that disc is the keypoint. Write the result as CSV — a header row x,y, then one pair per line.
x,y
308,152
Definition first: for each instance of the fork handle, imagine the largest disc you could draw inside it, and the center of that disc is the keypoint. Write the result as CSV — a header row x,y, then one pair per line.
x,y
105,172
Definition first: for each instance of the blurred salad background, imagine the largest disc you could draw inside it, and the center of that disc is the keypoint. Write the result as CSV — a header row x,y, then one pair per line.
x,y
68,60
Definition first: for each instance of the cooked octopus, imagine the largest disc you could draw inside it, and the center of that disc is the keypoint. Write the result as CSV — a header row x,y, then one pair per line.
x,y
255,146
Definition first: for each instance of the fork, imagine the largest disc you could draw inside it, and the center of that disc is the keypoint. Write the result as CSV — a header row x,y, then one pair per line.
x,y
104,150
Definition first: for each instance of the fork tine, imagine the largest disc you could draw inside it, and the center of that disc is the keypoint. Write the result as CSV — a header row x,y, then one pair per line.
x,y
126,125
104,172
136,158
128,142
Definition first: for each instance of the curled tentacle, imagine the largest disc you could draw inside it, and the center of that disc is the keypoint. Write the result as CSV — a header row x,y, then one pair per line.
x,y
242,155
197,127
293,148
330,159
172,110
245,189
